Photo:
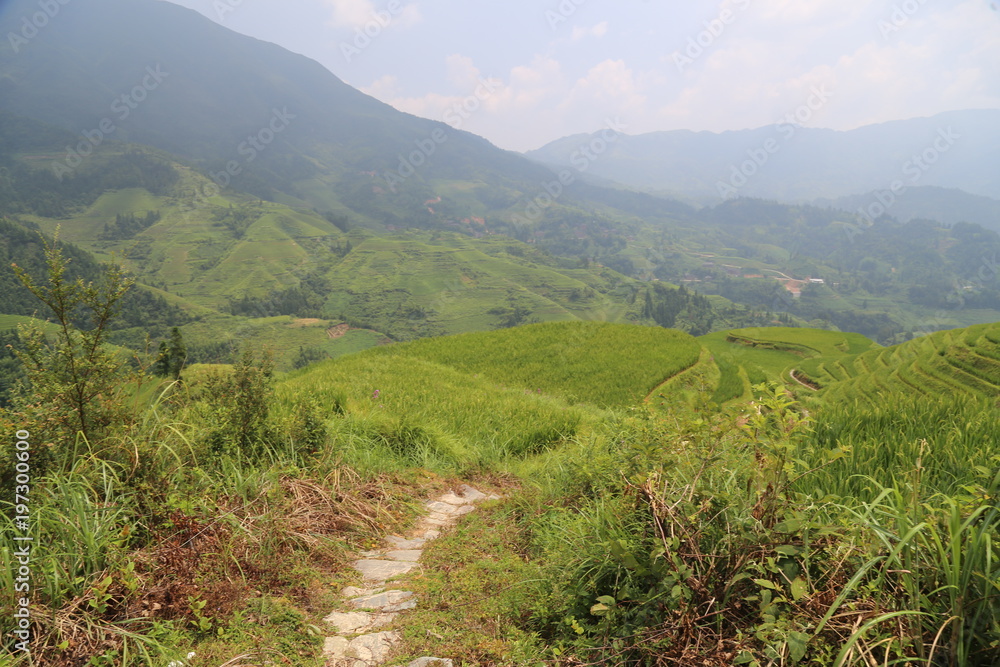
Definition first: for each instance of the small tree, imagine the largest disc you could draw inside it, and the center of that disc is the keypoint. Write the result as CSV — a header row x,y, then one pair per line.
x,y
74,378
171,356
239,402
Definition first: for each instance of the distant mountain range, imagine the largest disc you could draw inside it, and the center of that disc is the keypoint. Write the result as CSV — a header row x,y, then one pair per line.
x,y
947,205
116,118
959,149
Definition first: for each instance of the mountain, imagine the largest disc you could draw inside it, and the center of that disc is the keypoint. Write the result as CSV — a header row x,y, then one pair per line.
x,y
152,72
947,205
959,149
116,119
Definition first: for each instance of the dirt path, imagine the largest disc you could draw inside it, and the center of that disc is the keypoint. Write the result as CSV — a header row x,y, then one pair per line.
x,y
358,641
704,357
811,387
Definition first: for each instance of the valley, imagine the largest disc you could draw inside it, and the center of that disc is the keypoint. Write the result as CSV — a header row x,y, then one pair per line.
x,y
273,349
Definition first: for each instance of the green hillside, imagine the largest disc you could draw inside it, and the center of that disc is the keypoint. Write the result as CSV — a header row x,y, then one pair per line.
x,y
607,365
421,284
748,357
962,362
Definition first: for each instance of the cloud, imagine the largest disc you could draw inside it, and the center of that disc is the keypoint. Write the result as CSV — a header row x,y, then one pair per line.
x,y
462,72
599,30
385,87
357,13
767,62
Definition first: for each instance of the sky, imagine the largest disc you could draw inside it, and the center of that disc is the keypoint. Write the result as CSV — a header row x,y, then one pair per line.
x,y
523,73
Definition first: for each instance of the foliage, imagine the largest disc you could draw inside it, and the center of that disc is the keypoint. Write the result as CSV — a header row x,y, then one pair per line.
x,y
238,406
127,225
171,356
75,381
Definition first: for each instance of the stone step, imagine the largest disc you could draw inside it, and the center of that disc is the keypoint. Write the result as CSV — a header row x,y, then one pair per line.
x,y
357,622
453,499
470,494
355,592
381,570
372,648
403,543
364,651
443,508
387,601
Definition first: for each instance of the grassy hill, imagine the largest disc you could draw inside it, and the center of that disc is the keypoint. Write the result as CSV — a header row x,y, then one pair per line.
x,y
747,357
606,365
962,362
441,283
482,397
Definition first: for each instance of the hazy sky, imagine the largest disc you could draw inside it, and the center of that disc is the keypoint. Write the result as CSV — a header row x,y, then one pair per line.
x,y
559,67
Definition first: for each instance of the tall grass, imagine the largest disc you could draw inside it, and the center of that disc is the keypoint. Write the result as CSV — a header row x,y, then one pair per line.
x,y
423,413
956,438
590,362
939,561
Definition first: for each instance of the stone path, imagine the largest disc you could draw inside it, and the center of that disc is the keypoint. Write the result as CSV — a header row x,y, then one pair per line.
x,y
359,642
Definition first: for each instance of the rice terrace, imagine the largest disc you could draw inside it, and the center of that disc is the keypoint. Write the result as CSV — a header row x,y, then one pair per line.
x,y
416,334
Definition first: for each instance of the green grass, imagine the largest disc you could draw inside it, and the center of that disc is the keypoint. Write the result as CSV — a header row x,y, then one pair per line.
x,y
955,438
961,363
601,364
807,342
746,357
428,414
420,284
8,322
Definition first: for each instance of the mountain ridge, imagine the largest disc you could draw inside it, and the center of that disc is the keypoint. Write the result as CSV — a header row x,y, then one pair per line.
x,y
782,161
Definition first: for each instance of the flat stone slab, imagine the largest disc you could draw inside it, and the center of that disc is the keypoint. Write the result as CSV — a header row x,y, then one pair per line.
x,y
380,570
437,520
432,535
405,555
355,592
336,647
465,509
387,601
452,499
431,662
355,622
403,543
442,508
470,494
372,649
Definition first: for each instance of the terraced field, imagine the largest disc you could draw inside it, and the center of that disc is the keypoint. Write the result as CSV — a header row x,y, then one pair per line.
x,y
951,363
589,362
746,357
